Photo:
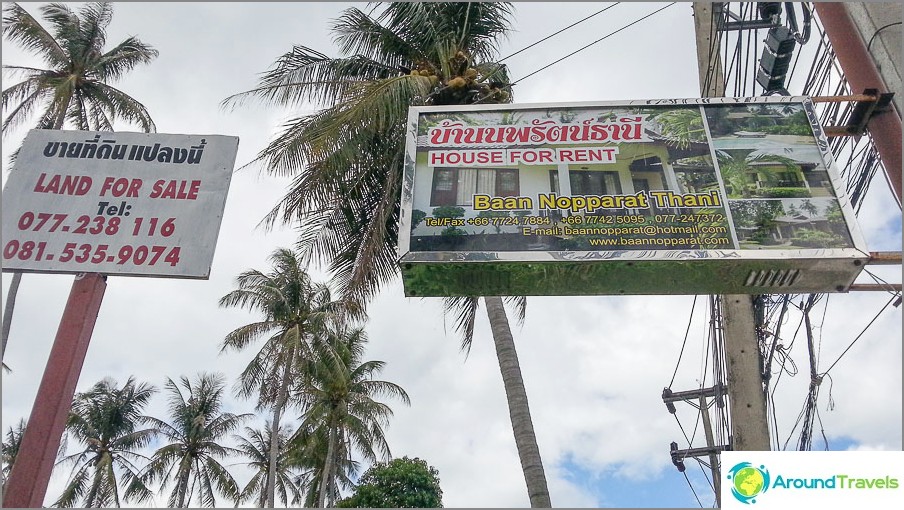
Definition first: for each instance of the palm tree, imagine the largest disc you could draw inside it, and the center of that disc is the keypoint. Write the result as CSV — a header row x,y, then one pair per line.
x,y
295,309
309,456
465,311
347,159
106,419
255,445
11,450
75,84
191,460
339,398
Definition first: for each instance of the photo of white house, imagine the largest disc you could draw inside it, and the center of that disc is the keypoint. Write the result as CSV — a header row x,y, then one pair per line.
x,y
562,153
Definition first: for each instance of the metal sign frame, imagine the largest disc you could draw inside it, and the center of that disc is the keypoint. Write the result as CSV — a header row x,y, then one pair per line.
x,y
432,266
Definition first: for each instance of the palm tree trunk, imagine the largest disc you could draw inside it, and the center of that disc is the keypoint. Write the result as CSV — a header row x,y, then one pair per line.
x,y
8,308
327,467
17,276
274,432
519,412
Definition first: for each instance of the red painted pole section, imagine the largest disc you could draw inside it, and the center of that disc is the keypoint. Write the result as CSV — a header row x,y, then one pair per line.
x,y
861,73
31,472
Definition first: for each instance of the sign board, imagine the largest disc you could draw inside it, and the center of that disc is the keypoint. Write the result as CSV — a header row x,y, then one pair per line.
x,y
683,196
129,204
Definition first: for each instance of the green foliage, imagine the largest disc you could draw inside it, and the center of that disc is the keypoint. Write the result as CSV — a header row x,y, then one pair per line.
x,y
11,449
342,416
816,239
453,231
106,419
399,483
755,213
190,461
781,192
793,129
417,216
448,211
347,158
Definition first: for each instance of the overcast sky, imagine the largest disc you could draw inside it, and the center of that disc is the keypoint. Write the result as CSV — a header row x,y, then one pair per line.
x,y
594,367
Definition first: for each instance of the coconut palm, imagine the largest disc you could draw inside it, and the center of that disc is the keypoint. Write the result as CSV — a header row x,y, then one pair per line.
x,y
11,449
106,420
347,159
191,460
255,446
465,311
295,310
309,457
74,86
339,397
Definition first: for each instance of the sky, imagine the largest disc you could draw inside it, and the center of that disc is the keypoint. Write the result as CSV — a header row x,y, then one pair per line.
x,y
594,367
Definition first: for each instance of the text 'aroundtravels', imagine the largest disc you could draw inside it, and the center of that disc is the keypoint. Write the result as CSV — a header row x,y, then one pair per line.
x,y
590,203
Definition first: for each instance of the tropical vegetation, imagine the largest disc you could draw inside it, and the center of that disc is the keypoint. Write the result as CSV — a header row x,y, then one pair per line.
x,y
191,461
399,483
346,160
106,421
296,314
75,85
341,407
255,445
11,443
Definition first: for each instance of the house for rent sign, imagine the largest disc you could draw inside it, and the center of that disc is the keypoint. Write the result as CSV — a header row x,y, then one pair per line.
x,y
719,195
131,204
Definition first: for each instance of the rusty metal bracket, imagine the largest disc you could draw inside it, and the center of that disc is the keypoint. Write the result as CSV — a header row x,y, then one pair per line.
x,y
867,105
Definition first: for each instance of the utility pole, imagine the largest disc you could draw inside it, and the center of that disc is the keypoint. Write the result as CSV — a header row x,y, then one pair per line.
x,y
746,399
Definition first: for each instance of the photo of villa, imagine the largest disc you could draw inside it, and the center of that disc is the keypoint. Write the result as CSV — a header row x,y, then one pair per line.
x,y
789,224
767,151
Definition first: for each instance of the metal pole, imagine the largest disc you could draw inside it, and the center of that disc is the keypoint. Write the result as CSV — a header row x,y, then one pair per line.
x,y
861,73
713,455
31,472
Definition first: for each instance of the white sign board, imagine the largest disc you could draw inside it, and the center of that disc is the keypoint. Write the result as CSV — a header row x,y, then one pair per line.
x,y
130,204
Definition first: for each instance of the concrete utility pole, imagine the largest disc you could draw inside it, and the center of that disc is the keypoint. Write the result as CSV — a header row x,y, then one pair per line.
x,y
746,399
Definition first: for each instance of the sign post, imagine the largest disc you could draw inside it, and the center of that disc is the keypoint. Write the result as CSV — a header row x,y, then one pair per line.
x,y
95,204
31,472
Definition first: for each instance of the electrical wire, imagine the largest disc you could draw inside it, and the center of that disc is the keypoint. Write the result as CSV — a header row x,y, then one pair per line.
x,y
557,33
684,343
591,44
870,43
858,336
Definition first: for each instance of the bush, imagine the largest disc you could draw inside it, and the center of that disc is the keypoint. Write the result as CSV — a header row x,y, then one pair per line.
x,y
816,239
448,211
417,216
782,193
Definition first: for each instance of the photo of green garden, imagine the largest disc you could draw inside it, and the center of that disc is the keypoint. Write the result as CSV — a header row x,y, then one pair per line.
x,y
789,224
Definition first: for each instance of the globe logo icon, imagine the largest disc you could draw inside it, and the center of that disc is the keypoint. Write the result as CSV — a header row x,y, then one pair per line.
x,y
748,482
